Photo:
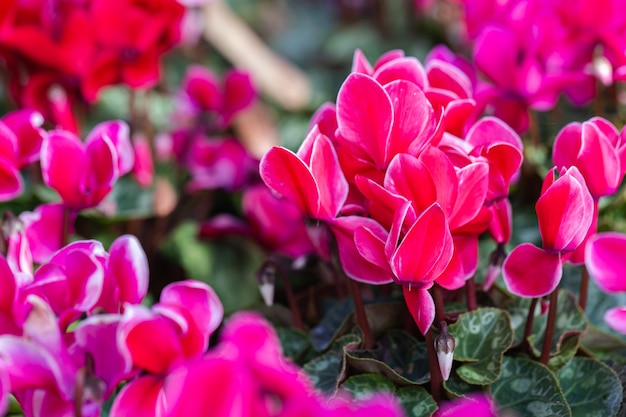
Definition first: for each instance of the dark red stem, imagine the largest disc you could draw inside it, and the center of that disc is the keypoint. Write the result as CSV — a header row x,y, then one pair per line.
x,y
547,338
361,316
584,286
470,293
436,380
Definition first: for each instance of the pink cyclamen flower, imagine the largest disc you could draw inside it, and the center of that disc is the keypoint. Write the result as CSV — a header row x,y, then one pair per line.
x,y
20,142
84,173
143,168
203,93
565,213
604,258
174,333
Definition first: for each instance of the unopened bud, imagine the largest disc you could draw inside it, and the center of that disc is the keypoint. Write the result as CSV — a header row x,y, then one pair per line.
x,y
266,277
444,346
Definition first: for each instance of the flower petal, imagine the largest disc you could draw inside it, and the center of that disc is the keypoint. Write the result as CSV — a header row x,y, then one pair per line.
x,y
421,306
604,258
529,271
616,319
129,265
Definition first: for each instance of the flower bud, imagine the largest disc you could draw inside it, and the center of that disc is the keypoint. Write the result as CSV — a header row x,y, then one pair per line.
x,y
495,266
444,346
266,277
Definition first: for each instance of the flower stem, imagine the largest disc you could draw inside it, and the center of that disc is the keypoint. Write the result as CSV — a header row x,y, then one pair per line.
x,y
433,365
547,338
470,293
438,299
361,317
67,218
584,285
529,320
291,298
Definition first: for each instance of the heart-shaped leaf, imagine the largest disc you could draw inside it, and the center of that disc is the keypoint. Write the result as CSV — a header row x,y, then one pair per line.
x,y
592,389
365,385
416,401
328,370
529,389
482,336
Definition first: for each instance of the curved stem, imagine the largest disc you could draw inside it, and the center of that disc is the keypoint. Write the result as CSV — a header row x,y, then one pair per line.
x,y
361,316
438,299
547,338
584,285
530,319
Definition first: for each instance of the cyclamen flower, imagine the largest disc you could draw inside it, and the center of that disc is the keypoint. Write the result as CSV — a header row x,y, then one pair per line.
x,y
598,150
20,143
565,213
604,258
84,173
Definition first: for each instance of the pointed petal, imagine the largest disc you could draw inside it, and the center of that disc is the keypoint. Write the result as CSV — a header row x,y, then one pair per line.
x,y
421,306
604,259
410,178
365,116
331,182
26,124
531,272
413,118
370,243
118,133
383,203
403,68
426,249
129,265
472,191
11,184
444,176
287,175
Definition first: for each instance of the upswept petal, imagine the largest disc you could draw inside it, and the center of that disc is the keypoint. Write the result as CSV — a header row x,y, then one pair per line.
x,y
382,203
616,319
26,124
501,220
473,182
129,265
360,63
287,175
567,145
404,68
598,162
604,258
409,177
489,131
199,299
331,182
63,162
44,228
97,335
238,93
532,272
425,250
448,77
353,263
564,212
370,243
421,306
444,176
118,133
388,56
413,119
365,116
102,170
463,264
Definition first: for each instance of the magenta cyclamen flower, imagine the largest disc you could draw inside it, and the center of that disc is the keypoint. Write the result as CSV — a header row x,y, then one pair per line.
x,y
20,143
84,173
565,212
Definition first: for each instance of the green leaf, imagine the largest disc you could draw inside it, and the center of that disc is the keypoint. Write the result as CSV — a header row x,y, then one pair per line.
x,y
530,389
131,200
416,401
399,357
294,342
328,370
570,320
569,347
604,346
456,388
332,324
592,389
365,385
482,336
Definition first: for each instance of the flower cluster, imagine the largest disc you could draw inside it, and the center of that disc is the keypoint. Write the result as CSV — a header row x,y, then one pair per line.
x,y
63,52
405,199
546,48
